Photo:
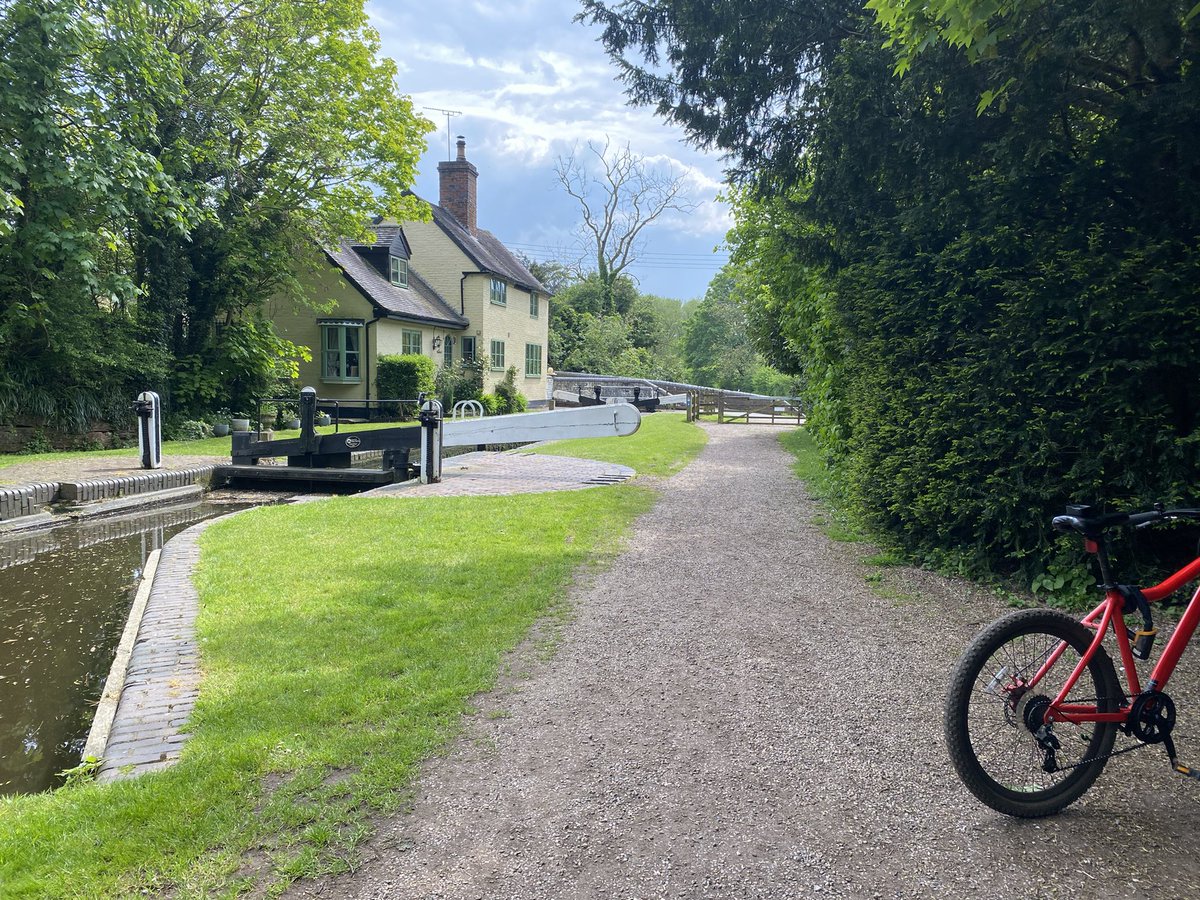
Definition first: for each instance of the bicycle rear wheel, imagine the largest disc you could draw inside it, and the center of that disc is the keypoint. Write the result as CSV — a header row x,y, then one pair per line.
x,y
992,714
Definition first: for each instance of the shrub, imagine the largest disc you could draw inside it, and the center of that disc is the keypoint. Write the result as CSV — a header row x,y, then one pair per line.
x,y
38,443
461,381
177,428
508,398
403,378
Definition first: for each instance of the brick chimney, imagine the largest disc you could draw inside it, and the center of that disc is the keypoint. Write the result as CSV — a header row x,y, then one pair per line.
x,y
456,192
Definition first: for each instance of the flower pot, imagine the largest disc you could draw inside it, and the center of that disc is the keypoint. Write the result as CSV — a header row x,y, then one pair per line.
x,y
240,424
220,429
324,420
293,424
267,420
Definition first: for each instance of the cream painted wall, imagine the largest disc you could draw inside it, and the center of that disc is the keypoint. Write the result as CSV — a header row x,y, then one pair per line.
x,y
513,325
441,263
299,325
438,260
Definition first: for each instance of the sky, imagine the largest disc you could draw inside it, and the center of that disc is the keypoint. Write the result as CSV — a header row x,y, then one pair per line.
x,y
531,86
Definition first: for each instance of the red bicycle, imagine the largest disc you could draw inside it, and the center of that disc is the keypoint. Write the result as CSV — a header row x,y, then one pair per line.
x,y
1035,702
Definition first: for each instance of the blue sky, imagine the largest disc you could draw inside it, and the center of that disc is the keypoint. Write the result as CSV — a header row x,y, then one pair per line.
x,y
532,85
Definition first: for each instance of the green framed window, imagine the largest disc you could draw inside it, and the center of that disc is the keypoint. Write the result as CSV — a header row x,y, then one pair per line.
x,y
341,351
533,304
410,342
499,292
448,345
533,360
497,360
468,349
399,271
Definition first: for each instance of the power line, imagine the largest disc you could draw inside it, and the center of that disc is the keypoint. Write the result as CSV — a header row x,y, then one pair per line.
x,y
654,260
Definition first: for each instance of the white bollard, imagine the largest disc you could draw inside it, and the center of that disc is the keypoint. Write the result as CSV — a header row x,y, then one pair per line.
x,y
148,407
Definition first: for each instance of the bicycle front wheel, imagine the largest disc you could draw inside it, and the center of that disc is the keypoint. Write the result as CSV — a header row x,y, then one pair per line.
x,y
1003,751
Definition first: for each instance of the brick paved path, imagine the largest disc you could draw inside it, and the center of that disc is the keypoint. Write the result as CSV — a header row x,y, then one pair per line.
x,y
510,473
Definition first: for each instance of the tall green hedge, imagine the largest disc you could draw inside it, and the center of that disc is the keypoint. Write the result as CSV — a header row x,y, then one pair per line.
x,y
403,378
998,313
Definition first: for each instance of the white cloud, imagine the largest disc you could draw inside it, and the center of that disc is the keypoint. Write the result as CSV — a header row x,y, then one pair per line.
x,y
530,86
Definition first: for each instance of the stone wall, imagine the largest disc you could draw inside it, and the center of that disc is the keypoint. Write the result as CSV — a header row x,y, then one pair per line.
x,y
16,436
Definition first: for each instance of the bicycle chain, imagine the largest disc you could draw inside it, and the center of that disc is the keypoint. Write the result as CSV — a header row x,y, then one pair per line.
x,y
1105,756
1108,755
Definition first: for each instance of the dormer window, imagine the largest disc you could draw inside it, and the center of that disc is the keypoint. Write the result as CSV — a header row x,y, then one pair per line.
x,y
399,271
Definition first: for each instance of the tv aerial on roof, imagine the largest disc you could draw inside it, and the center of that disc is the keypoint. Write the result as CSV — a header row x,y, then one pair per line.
x,y
448,113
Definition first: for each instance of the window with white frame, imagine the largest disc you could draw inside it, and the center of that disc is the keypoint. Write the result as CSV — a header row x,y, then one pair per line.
x,y
468,349
341,351
499,293
410,342
399,271
533,360
497,361
533,304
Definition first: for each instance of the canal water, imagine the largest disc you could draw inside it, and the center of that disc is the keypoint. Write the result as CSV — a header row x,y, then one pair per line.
x,y
64,597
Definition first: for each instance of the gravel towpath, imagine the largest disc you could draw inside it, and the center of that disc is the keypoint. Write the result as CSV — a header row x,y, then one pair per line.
x,y
735,711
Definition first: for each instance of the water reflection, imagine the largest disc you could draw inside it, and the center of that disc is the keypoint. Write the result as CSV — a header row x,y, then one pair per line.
x,y
64,596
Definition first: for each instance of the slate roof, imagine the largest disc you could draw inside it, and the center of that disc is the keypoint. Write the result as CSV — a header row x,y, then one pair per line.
x,y
418,301
388,236
486,251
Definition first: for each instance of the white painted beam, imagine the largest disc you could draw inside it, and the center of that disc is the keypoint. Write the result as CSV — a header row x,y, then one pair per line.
x,y
617,420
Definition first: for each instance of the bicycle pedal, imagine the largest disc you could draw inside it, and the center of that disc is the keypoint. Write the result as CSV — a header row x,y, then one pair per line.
x,y
1186,771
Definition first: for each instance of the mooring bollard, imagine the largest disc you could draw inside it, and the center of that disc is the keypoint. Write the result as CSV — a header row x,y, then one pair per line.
x,y
430,418
149,412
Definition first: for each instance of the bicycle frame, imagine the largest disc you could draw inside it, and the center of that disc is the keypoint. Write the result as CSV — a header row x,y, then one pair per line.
x,y
1111,616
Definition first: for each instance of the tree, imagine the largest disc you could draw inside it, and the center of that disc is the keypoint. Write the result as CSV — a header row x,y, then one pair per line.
x,y
743,78
716,344
71,181
290,134
994,310
166,167
1100,52
554,276
619,196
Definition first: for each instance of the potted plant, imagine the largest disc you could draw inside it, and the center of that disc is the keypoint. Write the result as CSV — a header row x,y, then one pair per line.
x,y
239,422
220,425
267,417
323,418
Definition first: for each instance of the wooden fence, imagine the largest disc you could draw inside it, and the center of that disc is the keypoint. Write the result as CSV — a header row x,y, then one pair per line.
x,y
733,409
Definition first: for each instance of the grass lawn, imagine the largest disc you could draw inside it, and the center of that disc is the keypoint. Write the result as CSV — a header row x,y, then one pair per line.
x,y
339,652
662,445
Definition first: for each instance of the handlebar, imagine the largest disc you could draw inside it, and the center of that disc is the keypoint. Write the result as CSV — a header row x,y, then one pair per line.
x,y
1091,526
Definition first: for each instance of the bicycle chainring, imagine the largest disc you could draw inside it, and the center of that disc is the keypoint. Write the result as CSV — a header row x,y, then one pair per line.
x,y
1152,717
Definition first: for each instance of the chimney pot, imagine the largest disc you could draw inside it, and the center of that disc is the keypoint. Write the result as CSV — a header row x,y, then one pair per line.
x,y
462,147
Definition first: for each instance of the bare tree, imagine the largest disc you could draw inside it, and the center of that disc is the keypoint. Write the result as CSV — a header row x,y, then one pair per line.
x,y
619,196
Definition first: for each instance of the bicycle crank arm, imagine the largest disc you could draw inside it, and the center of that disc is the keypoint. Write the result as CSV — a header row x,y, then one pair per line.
x,y
1186,771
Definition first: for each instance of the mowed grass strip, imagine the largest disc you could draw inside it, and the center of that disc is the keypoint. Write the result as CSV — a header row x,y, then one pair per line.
x,y
341,642
663,444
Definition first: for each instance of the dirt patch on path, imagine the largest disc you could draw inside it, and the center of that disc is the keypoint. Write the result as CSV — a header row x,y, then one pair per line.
x,y
734,712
